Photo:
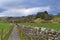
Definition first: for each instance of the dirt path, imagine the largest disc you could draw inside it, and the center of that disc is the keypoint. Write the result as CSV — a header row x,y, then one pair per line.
x,y
14,35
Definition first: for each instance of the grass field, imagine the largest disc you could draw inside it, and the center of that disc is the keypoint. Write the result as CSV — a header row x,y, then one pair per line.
x,y
44,25
4,25
5,29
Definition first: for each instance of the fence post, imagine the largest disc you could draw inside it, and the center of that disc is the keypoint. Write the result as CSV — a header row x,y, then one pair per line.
x,y
1,34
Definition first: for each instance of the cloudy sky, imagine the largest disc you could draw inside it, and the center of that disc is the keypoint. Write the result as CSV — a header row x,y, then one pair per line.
x,y
18,8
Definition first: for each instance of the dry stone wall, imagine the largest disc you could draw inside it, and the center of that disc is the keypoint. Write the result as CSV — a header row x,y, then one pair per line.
x,y
40,33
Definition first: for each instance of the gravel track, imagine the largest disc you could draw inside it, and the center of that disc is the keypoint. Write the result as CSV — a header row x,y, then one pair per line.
x,y
14,35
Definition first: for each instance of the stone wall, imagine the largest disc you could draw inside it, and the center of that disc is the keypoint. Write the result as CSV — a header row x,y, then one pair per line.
x,y
40,33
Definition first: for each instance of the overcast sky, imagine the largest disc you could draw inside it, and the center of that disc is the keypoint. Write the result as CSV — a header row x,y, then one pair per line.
x,y
27,7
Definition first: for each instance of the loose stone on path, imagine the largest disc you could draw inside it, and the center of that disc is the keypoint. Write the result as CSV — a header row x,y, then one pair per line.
x,y
14,35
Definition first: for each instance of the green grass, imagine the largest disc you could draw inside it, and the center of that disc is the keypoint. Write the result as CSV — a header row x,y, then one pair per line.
x,y
4,25
7,35
45,25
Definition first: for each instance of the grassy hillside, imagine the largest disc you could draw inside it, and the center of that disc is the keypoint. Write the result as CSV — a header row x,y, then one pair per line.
x,y
38,20
54,20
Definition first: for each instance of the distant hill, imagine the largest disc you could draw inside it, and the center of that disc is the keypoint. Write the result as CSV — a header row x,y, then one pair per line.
x,y
40,17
